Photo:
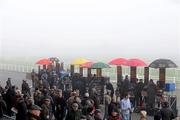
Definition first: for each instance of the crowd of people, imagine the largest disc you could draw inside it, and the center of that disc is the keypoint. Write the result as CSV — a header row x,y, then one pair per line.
x,y
54,97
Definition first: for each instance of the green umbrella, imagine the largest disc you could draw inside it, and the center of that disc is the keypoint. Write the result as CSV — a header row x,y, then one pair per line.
x,y
100,65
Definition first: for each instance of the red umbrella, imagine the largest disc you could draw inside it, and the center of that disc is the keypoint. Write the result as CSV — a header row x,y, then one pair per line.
x,y
136,62
118,61
44,62
86,65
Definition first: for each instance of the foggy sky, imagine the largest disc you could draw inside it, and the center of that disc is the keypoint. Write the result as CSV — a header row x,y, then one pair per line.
x,y
90,28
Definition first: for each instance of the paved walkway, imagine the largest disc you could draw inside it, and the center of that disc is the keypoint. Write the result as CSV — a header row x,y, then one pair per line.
x,y
17,78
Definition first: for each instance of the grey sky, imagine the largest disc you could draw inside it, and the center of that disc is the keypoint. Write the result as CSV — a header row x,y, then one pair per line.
x,y
90,28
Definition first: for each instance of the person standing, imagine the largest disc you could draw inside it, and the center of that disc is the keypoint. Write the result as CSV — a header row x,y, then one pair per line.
x,y
74,113
46,109
3,106
21,109
137,92
125,107
33,75
34,113
25,88
113,107
60,104
166,112
109,86
151,94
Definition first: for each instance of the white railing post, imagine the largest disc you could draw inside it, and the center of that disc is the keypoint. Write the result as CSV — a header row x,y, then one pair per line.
x,y
8,67
15,68
11,67
20,68
27,68
23,68
3,66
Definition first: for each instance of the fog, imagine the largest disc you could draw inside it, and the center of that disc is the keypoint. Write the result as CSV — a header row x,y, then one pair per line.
x,y
94,29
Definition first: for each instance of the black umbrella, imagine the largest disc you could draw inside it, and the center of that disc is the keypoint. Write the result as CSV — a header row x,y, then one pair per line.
x,y
163,63
54,59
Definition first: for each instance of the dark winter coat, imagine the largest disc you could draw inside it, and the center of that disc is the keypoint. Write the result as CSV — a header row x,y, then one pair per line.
x,y
167,114
22,110
73,115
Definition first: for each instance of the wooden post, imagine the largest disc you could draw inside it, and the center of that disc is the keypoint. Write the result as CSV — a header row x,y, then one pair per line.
x,y
119,74
99,72
162,75
146,75
88,72
62,65
81,70
44,66
39,69
133,74
72,70
58,67
49,68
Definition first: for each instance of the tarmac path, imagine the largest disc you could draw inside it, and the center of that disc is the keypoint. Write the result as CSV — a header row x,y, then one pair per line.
x,y
17,77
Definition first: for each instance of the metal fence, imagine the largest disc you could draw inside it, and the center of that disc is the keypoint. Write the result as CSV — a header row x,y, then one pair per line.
x,y
18,68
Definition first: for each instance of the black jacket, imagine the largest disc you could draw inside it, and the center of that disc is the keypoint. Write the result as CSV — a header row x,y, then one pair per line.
x,y
22,110
3,108
167,114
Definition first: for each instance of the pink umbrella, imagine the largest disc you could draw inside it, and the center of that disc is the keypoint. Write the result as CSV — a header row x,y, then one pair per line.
x,y
44,62
118,61
86,65
136,62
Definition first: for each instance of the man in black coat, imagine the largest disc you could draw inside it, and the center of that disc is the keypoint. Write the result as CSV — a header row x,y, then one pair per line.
x,y
137,92
109,86
60,104
166,112
151,92
21,109
3,107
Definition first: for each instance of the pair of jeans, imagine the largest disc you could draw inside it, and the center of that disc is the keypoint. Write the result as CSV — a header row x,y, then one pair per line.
x,y
126,116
